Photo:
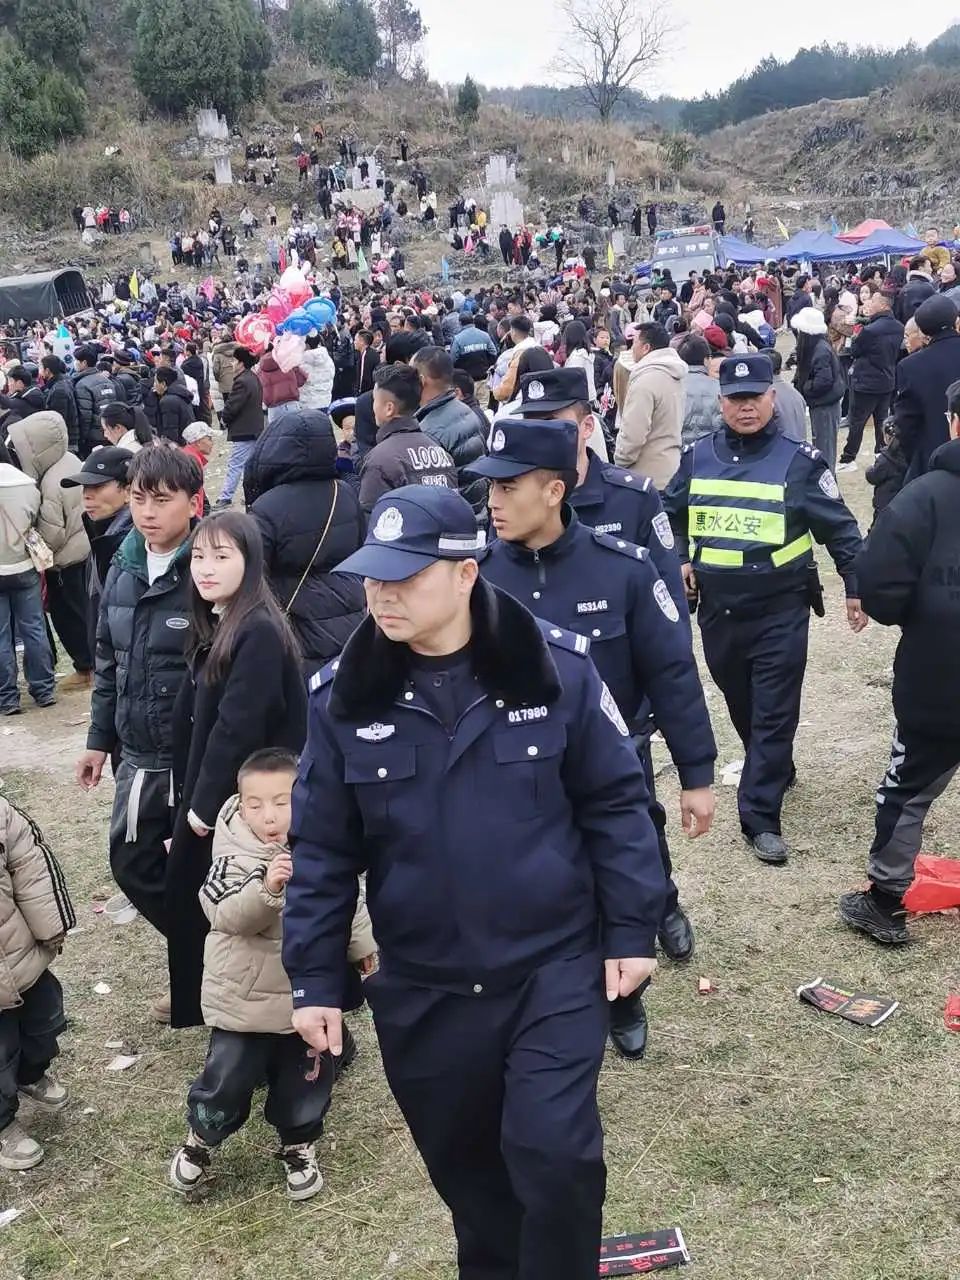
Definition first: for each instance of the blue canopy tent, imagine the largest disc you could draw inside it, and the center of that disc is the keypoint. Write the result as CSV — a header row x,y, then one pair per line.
x,y
883,242
815,246
740,253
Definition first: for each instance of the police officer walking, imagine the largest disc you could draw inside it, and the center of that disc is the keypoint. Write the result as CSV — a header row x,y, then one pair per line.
x,y
608,591
504,926
746,504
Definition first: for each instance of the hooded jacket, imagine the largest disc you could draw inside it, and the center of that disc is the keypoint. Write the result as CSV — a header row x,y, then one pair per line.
x,y
19,508
59,398
223,366
652,418
289,483
245,986
140,662
35,908
908,576
474,351
317,393
820,381
92,389
175,411
280,386
454,426
20,405
41,445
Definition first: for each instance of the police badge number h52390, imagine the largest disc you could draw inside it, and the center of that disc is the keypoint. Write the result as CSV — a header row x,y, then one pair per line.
x,y
389,526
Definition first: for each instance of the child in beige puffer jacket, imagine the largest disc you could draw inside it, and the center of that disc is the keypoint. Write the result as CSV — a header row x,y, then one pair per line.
x,y
246,996
35,914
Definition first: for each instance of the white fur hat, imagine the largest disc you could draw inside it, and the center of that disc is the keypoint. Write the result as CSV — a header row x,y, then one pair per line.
x,y
809,320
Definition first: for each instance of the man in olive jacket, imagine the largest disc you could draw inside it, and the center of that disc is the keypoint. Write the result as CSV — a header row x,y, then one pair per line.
x,y
243,419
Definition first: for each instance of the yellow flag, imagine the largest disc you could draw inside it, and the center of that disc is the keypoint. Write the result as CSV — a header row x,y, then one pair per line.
x,y
134,285
610,258
783,230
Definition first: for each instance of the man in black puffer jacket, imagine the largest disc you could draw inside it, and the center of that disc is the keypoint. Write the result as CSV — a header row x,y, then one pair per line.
x,y
140,665
290,482
449,422
92,390
908,575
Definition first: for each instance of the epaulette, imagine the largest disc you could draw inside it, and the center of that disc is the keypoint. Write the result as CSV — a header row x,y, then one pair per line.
x,y
686,448
626,479
613,543
564,639
809,450
324,675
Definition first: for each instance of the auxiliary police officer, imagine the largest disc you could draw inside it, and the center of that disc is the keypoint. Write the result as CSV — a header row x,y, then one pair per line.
x,y
607,498
606,589
469,758
746,504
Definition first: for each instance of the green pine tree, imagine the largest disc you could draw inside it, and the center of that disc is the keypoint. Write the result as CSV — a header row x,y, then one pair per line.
x,y
468,100
38,106
53,33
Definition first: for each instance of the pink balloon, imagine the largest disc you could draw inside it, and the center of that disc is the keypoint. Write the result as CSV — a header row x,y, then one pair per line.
x,y
255,332
279,304
294,283
288,351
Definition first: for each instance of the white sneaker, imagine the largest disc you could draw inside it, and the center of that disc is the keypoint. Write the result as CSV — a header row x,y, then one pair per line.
x,y
304,1178
846,466
190,1166
47,1093
17,1149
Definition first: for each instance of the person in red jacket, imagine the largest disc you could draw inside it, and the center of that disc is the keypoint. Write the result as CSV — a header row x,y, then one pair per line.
x,y
281,388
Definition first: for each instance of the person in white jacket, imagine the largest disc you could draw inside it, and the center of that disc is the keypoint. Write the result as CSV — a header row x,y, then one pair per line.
x,y
21,608
317,364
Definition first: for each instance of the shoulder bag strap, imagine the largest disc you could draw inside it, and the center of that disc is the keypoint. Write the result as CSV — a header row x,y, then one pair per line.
x,y
323,538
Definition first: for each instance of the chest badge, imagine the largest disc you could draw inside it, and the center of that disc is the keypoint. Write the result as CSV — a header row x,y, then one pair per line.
x,y
377,732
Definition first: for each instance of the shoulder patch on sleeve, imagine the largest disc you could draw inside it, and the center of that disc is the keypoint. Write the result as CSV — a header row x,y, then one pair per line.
x,y
564,639
610,709
828,484
613,543
324,675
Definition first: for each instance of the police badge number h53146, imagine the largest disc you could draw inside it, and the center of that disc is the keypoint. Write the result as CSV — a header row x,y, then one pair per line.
x,y
389,526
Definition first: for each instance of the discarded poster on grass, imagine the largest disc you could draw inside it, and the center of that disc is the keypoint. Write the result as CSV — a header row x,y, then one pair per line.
x,y
631,1255
861,1007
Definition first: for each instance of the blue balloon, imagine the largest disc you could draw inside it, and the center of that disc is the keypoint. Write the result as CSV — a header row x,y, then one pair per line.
x,y
320,310
297,322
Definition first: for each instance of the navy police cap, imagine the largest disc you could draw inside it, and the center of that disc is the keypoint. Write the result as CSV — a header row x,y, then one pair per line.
x,y
745,375
547,390
519,445
413,527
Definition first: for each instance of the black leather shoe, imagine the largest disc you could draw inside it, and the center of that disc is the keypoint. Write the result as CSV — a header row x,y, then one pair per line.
x,y
675,935
862,911
628,1026
768,847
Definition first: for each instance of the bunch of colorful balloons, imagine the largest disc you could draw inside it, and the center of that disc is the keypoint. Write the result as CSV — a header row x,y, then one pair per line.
x,y
290,312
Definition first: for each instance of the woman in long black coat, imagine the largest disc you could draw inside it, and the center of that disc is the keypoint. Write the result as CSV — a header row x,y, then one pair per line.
x,y
245,692
290,483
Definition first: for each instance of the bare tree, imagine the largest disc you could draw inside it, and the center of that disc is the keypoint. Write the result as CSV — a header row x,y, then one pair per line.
x,y
609,44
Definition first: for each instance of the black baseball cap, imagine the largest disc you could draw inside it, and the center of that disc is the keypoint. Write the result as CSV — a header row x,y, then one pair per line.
x,y
412,528
745,375
552,389
519,445
101,467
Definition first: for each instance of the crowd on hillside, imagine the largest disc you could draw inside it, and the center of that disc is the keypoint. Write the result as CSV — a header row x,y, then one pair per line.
x,y
559,421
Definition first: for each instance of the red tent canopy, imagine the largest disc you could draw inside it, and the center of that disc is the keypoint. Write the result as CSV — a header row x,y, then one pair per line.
x,y
865,229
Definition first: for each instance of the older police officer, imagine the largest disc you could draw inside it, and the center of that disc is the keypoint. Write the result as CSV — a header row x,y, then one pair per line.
x,y
606,589
746,504
470,759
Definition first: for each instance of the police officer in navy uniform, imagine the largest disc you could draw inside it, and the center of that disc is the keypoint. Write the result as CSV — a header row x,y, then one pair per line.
x,y
471,761
608,590
607,498
746,504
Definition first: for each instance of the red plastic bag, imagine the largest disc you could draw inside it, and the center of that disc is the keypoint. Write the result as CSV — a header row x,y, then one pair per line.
x,y
936,885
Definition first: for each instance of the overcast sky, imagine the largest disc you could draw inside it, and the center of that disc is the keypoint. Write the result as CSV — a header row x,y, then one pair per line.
x,y
503,42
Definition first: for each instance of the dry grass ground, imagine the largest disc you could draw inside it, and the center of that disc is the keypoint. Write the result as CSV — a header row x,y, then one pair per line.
x,y
787,1144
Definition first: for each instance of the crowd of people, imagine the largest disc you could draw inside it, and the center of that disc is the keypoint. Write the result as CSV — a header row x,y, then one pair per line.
x,y
476,525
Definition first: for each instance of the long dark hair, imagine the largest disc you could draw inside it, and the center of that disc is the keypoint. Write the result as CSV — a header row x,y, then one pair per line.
x,y
219,638
129,416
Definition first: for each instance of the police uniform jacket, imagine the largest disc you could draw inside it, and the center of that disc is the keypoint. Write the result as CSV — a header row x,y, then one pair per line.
x,y
612,500
520,837
608,591
745,511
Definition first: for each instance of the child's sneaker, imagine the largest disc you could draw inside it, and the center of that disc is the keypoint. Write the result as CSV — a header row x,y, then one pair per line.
x,y
304,1178
47,1093
17,1149
190,1166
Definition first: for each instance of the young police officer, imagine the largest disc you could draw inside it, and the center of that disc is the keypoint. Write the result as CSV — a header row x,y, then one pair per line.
x,y
744,504
470,759
606,589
